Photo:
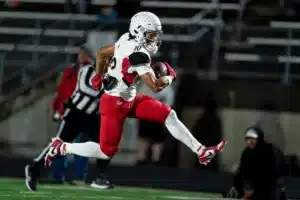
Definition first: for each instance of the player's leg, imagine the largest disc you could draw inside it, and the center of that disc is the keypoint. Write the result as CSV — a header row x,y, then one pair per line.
x,y
113,113
59,166
148,108
58,169
89,125
32,171
73,124
63,130
77,120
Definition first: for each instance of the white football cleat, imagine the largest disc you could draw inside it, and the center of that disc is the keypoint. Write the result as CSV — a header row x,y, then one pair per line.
x,y
205,155
58,148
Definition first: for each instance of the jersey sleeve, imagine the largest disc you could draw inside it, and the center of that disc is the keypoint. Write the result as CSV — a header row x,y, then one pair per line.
x,y
141,62
124,37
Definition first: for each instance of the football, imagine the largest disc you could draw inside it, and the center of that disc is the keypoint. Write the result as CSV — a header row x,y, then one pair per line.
x,y
159,69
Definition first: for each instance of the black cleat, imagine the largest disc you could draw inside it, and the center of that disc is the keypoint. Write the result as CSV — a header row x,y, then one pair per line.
x,y
30,178
102,183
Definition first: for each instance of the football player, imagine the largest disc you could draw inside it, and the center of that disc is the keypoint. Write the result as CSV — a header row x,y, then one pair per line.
x,y
130,64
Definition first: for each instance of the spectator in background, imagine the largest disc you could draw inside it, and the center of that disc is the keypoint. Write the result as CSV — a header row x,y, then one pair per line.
x,y
107,13
151,136
261,170
209,122
65,89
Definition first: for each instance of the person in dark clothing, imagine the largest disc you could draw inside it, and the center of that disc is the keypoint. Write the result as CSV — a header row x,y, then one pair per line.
x,y
261,170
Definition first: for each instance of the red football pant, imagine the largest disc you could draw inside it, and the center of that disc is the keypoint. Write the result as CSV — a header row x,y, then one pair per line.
x,y
114,111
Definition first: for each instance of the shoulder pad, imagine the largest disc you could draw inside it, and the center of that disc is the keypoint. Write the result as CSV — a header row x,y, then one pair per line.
x,y
137,58
123,38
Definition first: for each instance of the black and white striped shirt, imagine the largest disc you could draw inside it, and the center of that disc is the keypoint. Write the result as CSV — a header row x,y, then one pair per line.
x,y
85,98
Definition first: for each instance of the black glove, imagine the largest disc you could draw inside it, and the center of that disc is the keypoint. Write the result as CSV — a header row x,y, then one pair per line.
x,y
109,82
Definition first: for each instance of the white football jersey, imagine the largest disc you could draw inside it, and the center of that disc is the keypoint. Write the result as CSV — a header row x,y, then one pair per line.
x,y
130,61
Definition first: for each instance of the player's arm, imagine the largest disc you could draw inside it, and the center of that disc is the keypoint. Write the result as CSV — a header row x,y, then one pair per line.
x,y
103,55
158,84
57,103
102,62
141,62
155,85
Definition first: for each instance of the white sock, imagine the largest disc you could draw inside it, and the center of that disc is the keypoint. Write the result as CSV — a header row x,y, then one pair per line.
x,y
181,133
86,149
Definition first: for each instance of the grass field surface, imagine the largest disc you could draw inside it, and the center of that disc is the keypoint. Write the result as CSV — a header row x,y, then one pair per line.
x,y
13,189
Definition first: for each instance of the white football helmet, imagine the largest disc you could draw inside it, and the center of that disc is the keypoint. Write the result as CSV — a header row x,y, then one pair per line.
x,y
146,28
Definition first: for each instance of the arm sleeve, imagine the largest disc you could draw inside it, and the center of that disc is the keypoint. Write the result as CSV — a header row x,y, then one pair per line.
x,y
57,99
141,62
57,102
54,103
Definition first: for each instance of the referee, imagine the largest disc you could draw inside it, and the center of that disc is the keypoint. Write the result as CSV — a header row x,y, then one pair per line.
x,y
81,115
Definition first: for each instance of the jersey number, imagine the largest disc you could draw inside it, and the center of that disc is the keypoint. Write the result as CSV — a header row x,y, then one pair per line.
x,y
137,48
113,63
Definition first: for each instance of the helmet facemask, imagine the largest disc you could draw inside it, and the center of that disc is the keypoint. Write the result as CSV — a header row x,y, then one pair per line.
x,y
152,40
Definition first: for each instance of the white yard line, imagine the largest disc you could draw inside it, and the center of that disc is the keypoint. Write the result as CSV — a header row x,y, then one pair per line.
x,y
70,188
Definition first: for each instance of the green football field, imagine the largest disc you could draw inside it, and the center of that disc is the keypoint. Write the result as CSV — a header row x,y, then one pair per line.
x,y
13,189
